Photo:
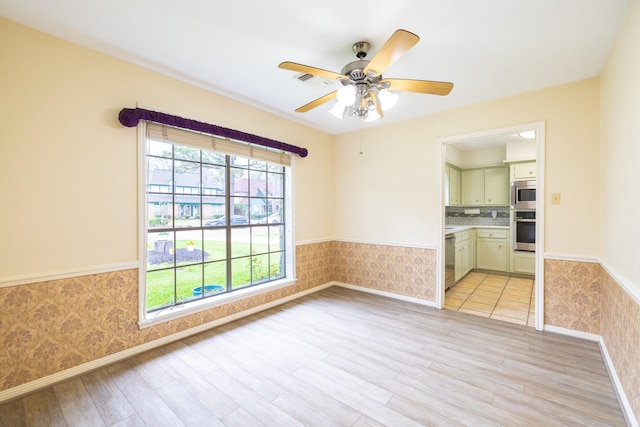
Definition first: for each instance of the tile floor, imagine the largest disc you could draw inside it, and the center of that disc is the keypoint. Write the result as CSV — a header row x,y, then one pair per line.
x,y
506,298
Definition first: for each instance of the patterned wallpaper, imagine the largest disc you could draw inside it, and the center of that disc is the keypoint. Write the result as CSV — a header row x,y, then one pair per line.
x,y
572,292
51,326
400,270
621,333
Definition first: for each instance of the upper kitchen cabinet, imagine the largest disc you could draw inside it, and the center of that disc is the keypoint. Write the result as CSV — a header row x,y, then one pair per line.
x,y
453,186
485,187
496,186
473,187
523,171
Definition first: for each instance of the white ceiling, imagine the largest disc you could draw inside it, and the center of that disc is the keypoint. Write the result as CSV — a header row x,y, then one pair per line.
x,y
487,48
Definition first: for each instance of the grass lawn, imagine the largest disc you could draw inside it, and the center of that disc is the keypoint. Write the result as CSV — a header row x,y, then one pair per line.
x,y
160,283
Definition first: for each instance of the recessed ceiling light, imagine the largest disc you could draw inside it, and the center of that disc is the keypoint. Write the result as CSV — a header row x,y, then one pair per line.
x,y
527,134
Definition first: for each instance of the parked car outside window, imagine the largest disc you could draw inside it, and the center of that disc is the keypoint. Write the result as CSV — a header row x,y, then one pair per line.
x,y
274,218
235,220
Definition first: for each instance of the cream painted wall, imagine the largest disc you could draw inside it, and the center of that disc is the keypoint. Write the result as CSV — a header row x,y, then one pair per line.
x,y
68,168
482,157
620,155
389,194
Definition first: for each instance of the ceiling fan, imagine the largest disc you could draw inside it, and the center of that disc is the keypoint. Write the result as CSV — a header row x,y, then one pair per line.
x,y
365,92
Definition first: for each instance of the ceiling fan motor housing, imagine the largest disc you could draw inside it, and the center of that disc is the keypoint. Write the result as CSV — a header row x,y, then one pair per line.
x,y
354,70
361,49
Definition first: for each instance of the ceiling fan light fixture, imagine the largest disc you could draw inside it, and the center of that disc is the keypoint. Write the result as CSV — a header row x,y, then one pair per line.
x,y
346,95
387,99
364,89
372,116
338,111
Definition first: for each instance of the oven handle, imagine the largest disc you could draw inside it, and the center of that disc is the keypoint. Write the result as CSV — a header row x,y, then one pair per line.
x,y
524,220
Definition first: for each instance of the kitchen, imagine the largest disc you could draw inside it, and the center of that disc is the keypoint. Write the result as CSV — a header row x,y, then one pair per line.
x,y
490,226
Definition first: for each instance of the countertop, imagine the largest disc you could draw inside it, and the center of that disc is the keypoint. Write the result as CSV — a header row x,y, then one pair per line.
x,y
451,229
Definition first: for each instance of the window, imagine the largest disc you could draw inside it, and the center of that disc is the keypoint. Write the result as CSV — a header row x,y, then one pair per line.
x,y
214,221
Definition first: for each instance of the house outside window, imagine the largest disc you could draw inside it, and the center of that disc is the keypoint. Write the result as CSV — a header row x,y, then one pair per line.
x,y
214,221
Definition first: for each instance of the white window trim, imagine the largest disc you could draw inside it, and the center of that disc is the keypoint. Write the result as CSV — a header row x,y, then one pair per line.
x,y
145,319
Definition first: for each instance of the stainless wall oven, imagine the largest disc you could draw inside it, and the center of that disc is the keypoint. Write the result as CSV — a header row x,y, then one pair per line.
x,y
524,230
523,194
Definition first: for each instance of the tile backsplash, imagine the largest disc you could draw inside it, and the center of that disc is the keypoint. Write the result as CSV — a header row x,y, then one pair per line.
x,y
455,215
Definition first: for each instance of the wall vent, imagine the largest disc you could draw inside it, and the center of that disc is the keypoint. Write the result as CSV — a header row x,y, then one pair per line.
x,y
304,77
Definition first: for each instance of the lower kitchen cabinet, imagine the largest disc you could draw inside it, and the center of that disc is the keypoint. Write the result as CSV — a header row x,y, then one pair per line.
x,y
524,262
465,253
492,249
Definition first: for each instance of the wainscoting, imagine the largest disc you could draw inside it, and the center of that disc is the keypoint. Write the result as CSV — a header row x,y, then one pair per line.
x,y
55,326
340,357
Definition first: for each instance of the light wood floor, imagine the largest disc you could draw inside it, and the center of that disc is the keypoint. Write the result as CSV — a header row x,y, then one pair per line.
x,y
342,358
506,298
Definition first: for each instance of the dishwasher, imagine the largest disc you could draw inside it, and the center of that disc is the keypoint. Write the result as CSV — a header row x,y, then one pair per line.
x,y
449,261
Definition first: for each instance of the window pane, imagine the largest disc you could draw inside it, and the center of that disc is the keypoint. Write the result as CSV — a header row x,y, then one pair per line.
x,y
275,168
160,250
239,161
159,288
159,211
186,212
276,185
259,240
257,164
213,157
239,182
215,245
213,208
240,245
259,268
240,210
258,209
277,265
159,148
258,180
159,175
276,238
186,153
188,247
215,277
213,180
187,177
189,283
240,272
275,206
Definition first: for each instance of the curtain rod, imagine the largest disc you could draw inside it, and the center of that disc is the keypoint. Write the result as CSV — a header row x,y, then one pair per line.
x,y
130,117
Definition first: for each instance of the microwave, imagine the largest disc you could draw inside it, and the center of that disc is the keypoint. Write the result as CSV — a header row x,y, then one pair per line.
x,y
523,194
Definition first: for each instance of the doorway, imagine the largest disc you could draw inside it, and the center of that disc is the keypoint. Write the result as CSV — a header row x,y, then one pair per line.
x,y
481,141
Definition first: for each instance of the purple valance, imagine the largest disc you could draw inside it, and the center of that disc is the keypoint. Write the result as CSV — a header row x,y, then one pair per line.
x,y
131,116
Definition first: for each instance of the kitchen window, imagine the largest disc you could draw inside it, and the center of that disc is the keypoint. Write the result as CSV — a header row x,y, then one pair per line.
x,y
215,220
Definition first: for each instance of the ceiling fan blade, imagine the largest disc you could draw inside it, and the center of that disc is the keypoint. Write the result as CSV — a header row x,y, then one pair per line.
x,y
317,102
420,86
376,101
292,66
397,45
